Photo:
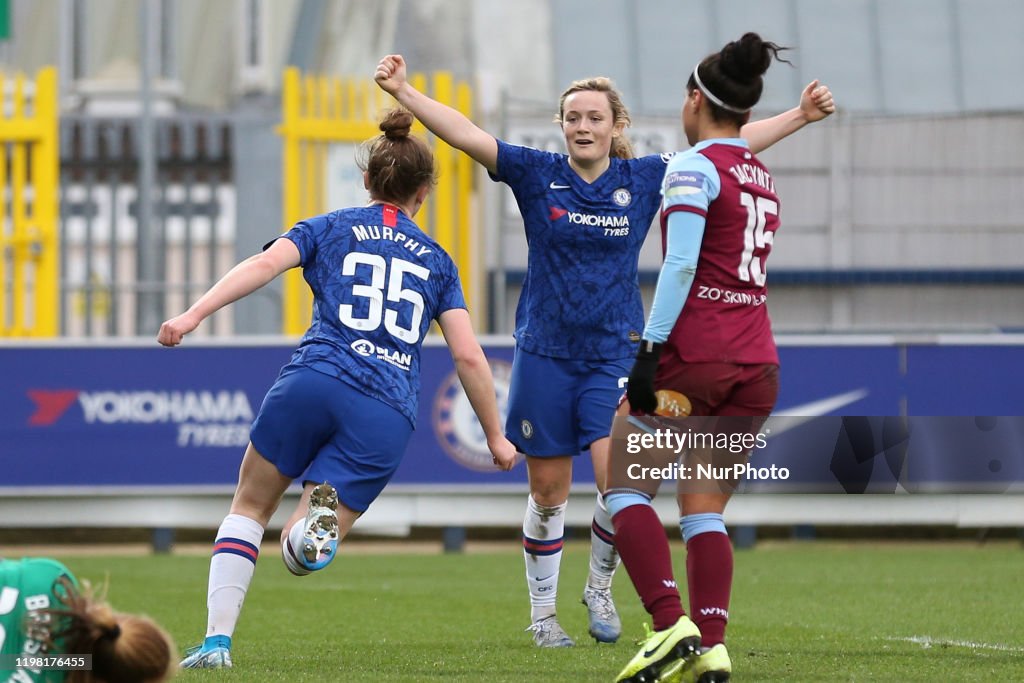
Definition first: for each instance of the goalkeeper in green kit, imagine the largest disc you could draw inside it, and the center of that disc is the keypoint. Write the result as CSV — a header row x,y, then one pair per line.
x,y
53,630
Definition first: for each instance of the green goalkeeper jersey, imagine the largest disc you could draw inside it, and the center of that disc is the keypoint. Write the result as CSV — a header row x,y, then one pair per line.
x,y
27,586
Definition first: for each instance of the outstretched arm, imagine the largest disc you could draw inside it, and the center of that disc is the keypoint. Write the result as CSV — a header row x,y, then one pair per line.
x,y
245,278
443,121
475,375
684,234
815,104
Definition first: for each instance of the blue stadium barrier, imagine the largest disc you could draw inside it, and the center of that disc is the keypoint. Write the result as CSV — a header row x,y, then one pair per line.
x,y
133,419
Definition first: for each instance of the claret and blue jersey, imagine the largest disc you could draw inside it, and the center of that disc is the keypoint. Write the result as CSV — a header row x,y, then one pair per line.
x,y
581,297
729,198
378,281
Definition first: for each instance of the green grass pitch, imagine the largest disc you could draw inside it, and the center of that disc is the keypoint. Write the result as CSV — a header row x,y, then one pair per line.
x,y
800,612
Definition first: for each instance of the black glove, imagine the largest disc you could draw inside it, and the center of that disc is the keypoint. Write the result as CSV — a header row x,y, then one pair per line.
x,y
640,390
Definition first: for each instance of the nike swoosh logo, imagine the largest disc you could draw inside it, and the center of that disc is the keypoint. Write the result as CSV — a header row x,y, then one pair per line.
x,y
648,653
537,578
556,186
808,411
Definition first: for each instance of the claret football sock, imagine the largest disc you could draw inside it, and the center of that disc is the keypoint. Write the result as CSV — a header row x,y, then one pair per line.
x,y
709,565
643,546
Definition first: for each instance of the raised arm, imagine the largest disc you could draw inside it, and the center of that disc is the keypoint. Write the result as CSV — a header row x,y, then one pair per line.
x,y
475,375
446,123
815,104
242,280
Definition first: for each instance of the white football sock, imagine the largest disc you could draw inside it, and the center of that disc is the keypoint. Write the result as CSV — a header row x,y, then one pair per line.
x,y
291,547
231,568
603,557
543,536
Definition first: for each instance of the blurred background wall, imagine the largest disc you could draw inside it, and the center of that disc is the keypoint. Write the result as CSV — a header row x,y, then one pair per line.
x,y
891,57
899,212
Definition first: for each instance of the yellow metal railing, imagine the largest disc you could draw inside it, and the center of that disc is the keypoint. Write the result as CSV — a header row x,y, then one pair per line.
x,y
29,254
318,112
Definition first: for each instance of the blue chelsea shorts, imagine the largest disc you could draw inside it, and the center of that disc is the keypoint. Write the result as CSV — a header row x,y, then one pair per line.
x,y
317,427
558,406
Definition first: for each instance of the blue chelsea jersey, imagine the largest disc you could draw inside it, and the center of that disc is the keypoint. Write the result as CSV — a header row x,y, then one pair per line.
x,y
377,281
581,297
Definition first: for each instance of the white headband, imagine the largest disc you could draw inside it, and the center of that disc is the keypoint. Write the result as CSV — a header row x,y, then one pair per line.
x,y
710,96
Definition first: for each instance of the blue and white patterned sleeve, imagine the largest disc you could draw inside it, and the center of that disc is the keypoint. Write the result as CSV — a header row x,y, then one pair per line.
x,y
451,295
305,235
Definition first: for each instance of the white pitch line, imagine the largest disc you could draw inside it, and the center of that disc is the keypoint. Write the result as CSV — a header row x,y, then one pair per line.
x,y
928,641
